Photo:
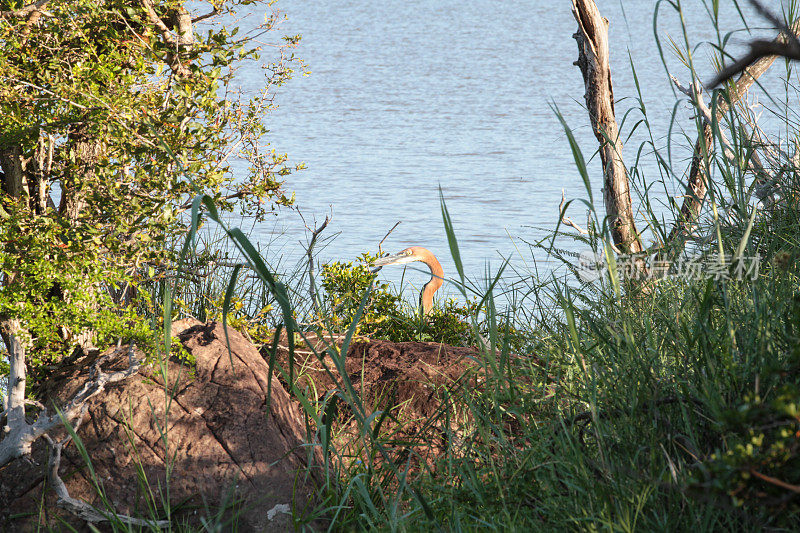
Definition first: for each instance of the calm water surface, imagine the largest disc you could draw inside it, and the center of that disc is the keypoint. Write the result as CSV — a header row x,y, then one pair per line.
x,y
404,98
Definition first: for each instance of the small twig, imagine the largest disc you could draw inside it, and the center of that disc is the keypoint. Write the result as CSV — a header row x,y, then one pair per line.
x,y
567,221
310,253
775,481
210,14
380,252
35,403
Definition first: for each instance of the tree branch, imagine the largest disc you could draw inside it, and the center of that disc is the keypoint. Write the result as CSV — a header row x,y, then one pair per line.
x,y
184,39
210,14
77,507
567,221
775,481
310,253
25,11
387,235
785,45
20,435
764,178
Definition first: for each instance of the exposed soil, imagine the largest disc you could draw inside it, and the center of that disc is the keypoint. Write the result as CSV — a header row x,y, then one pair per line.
x,y
410,381
222,442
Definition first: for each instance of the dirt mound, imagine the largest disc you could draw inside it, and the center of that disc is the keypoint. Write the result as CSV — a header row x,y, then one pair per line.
x,y
222,440
409,380
412,373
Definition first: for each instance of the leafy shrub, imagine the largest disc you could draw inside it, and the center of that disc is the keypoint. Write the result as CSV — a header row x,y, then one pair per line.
x,y
759,465
345,285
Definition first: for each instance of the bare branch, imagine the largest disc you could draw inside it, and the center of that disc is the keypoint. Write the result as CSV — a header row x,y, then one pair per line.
x,y
77,507
758,49
785,45
310,253
210,14
380,252
11,330
20,435
775,481
25,11
567,221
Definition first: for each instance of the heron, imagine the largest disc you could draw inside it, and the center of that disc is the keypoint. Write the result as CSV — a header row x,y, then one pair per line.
x,y
410,255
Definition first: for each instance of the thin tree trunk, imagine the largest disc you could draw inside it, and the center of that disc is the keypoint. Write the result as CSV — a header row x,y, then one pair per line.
x,y
15,389
593,60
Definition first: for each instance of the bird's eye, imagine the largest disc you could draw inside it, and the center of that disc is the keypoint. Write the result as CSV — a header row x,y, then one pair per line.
x,y
409,252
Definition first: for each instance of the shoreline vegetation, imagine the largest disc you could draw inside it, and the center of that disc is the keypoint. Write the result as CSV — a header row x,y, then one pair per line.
x,y
642,394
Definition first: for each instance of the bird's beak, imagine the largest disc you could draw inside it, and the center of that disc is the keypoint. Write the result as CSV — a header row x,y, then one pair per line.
x,y
395,259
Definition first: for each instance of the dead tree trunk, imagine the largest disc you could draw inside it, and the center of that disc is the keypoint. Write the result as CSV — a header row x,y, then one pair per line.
x,y
15,393
593,60
697,184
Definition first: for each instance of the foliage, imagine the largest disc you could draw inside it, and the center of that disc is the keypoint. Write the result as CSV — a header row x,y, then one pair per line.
x,y
345,284
759,465
99,99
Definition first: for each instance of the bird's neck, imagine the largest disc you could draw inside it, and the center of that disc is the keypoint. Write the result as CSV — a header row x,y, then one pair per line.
x,y
433,285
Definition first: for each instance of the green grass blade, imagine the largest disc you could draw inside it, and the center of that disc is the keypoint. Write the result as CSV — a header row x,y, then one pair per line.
x,y
451,238
226,305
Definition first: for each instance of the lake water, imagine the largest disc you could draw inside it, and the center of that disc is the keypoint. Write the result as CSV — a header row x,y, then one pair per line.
x,y
405,98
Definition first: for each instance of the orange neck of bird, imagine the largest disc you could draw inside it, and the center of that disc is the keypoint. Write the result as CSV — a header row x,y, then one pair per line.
x,y
433,285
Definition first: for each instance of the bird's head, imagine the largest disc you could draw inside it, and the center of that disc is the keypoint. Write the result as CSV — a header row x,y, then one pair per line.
x,y
409,255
